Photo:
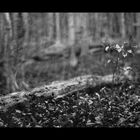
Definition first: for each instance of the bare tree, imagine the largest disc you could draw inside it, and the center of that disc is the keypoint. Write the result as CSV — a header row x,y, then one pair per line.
x,y
71,28
58,31
71,21
85,35
50,25
26,27
123,26
11,79
138,27
14,48
97,25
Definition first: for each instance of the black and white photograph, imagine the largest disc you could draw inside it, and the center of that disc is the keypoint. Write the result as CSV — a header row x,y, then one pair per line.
x,y
69,69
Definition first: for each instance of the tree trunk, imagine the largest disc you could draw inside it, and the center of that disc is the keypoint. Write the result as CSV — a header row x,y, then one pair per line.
x,y
110,22
73,59
57,89
50,26
16,55
1,37
71,28
26,27
58,31
123,26
138,27
85,36
97,25
11,80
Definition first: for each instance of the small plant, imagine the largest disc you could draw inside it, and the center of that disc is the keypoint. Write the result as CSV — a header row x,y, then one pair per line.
x,y
119,56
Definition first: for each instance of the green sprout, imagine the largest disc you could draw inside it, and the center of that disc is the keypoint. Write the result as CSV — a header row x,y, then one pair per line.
x,y
118,56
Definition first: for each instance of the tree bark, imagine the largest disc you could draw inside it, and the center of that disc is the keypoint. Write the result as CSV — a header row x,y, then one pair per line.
x,y
71,21
123,26
57,89
85,37
50,26
10,75
97,25
1,37
26,27
71,28
58,31
138,27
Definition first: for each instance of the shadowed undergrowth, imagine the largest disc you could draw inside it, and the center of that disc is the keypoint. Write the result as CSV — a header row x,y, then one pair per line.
x,y
108,105
102,106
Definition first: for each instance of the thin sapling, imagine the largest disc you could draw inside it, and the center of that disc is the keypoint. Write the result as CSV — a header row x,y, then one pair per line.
x,y
118,57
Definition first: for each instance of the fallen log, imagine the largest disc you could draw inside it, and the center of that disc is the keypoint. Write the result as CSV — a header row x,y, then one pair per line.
x,y
57,89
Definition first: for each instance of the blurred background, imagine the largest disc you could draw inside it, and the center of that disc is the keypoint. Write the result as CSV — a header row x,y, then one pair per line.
x,y
38,48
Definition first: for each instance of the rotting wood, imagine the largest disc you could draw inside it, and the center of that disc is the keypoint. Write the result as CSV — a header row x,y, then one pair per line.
x,y
58,89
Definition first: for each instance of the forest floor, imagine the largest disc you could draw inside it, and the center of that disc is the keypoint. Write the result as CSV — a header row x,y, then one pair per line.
x,y
113,105
59,69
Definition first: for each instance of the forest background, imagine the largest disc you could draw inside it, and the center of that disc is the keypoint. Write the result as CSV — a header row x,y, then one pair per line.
x,y
36,48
